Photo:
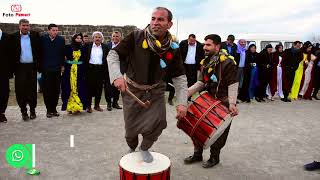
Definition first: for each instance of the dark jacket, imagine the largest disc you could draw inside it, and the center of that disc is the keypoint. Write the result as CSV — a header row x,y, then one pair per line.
x,y
233,48
199,52
52,54
291,59
16,48
6,68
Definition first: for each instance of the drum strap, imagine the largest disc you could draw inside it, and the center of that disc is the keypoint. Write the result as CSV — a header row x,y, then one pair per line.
x,y
202,117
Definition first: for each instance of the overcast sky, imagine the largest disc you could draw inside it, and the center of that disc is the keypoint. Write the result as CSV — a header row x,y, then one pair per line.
x,y
201,17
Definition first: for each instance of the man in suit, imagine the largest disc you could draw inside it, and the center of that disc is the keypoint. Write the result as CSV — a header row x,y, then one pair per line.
x,y
112,93
96,69
192,53
26,53
51,65
230,46
5,74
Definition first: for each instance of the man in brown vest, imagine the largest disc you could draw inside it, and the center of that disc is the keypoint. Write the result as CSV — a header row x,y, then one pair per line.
x,y
151,55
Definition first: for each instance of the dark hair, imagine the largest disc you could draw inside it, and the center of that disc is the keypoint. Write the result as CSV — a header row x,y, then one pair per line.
x,y
85,35
170,16
231,37
304,48
252,45
215,38
23,21
51,26
192,35
296,42
278,46
268,46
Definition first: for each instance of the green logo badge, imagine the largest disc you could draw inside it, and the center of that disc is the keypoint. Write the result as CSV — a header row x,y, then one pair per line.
x,y
20,155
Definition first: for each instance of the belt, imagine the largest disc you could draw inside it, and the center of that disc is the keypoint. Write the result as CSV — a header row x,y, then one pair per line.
x,y
74,62
253,64
140,86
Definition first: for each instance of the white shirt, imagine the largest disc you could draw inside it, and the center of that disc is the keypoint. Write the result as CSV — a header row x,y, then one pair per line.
x,y
96,54
114,45
191,55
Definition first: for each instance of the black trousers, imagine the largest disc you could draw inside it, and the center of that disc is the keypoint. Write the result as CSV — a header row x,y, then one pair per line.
x,y
216,147
191,73
316,80
4,93
290,78
95,80
111,93
26,86
51,89
264,80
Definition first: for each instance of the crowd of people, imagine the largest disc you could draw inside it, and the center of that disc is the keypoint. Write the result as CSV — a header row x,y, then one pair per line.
x,y
77,71
290,74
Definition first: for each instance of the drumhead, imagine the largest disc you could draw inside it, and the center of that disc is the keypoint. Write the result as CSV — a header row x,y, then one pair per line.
x,y
134,163
216,134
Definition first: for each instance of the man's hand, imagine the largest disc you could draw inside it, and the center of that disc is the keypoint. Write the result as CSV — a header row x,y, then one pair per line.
x,y
233,110
121,84
181,111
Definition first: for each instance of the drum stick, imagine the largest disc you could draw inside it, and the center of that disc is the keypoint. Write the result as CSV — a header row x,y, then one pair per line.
x,y
143,104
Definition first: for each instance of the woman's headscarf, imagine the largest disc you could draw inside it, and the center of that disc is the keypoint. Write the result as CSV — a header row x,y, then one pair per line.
x,y
76,45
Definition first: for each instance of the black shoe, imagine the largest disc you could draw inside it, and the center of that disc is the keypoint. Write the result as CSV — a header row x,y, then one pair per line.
x,y
170,102
25,116
312,166
210,163
284,99
192,159
49,115
3,118
109,108
262,100
116,106
33,115
56,114
258,99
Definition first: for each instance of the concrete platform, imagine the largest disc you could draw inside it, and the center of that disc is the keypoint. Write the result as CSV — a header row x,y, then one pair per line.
x,y
267,141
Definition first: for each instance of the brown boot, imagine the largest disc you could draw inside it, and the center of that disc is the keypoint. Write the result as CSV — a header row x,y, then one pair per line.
x,y
98,108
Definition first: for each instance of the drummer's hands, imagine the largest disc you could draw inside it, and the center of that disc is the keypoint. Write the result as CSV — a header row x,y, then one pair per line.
x,y
181,111
233,110
121,84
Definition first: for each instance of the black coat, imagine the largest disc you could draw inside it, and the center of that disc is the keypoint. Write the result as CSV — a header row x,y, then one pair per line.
x,y
6,67
199,52
15,46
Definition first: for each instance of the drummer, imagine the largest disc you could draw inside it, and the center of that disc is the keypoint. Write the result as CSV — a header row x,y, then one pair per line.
x,y
219,77
150,54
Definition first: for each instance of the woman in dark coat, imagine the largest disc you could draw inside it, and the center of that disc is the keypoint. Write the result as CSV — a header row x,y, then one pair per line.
x,y
250,81
73,79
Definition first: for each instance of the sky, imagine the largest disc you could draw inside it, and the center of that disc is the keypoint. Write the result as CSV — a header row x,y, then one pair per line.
x,y
300,18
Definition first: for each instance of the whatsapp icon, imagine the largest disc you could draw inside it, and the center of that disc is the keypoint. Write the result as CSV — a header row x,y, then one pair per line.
x,y
20,155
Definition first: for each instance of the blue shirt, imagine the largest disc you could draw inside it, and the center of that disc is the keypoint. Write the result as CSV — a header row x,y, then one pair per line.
x,y
26,50
229,49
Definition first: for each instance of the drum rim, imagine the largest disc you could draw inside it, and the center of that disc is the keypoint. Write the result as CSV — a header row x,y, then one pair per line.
x,y
168,168
157,173
206,145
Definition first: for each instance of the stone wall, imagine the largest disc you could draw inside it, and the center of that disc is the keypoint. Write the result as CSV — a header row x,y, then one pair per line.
x,y
68,30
